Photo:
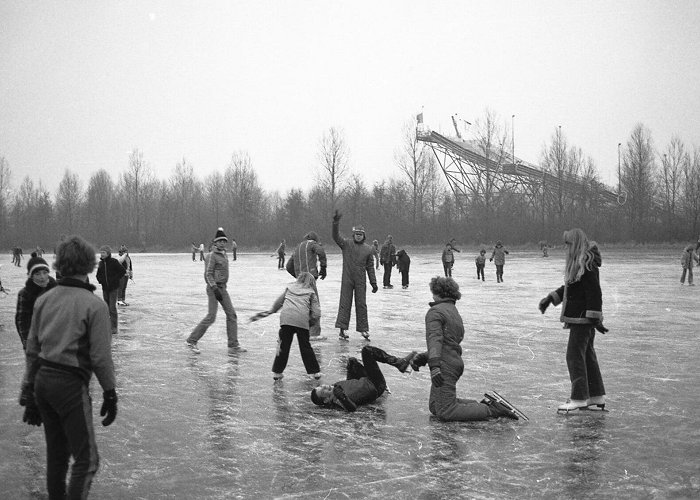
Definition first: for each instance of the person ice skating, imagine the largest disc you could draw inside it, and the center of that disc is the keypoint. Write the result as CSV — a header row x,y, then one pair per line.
x,y
216,277
387,258
544,247
375,253
39,251
364,383
280,254
403,263
125,260
201,252
38,282
109,275
498,256
582,314
688,259
68,341
480,264
448,258
194,251
17,256
299,309
444,332
304,259
234,249
357,260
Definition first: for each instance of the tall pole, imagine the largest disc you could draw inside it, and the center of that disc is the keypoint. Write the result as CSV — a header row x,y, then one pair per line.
x,y
512,139
618,168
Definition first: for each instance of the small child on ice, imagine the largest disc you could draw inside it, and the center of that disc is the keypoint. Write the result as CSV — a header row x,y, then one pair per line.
x,y
687,259
300,309
480,264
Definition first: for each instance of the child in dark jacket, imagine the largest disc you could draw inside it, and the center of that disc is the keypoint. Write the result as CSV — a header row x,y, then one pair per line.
x,y
582,314
38,282
688,258
403,262
480,264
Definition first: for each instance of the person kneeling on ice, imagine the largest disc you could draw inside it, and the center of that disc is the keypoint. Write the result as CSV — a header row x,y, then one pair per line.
x,y
300,310
582,315
444,331
364,384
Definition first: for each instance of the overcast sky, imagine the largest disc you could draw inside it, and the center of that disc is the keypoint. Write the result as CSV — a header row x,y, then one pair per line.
x,y
84,82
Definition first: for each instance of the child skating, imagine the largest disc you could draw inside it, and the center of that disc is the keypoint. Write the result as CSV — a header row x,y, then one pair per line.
x,y
480,264
499,257
582,314
688,259
299,310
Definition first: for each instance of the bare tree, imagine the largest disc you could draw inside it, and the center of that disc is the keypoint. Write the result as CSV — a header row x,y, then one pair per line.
x,y
214,188
183,186
68,200
672,161
638,174
243,195
414,160
691,189
5,178
333,155
100,217
134,183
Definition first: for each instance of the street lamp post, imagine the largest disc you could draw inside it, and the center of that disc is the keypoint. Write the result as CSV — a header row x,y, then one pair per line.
x,y
619,182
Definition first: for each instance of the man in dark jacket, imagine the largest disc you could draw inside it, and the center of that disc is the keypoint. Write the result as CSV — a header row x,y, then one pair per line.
x,y
109,275
357,259
387,258
364,384
303,260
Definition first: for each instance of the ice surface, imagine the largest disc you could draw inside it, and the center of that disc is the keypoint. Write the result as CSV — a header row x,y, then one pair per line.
x,y
213,426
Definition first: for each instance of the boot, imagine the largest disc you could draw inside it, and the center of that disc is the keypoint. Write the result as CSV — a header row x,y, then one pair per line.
x,y
573,404
497,409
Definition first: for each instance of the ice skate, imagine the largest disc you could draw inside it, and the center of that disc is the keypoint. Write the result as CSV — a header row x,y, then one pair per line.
x,y
342,335
365,335
277,376
193,347
402,364
596,403
317,375
236,349
318,338
498,402
571,405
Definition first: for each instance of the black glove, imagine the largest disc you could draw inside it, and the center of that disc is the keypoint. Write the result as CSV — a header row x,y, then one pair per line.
x,y
436,376
109,407
375,288
322,274
31,412
217,293
599,327
336,216
544,303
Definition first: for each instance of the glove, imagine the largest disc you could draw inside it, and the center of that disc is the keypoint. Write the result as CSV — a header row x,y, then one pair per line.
x,y
322,274
259,316
217,293
599,327
31,413
544,303
109,407
375,288
436,376
336,216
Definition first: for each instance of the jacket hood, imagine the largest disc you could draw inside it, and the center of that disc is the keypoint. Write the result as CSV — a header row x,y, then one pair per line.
x,y
311,235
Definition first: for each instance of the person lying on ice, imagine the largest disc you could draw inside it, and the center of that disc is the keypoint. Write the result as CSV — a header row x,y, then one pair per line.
x,y
364,384
444,331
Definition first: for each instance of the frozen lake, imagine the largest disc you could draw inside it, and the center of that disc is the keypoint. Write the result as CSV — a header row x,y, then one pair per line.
x,y
214,426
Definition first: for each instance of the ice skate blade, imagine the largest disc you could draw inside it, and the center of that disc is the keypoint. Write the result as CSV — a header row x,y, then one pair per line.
x,y
585,410
493,395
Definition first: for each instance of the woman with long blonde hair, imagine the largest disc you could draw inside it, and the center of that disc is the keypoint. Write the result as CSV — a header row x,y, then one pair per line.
x,y
582,315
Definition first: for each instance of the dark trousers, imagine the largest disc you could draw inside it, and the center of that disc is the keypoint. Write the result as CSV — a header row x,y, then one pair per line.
x,y
387,274
284,343
370,356
447,266
123,282
445,404
234,254
581,359
348,287
110,296
480,272
404,277
280,261
66,411
689,271
499,272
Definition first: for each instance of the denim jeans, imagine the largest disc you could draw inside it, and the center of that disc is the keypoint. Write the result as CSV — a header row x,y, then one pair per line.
x,y
581,359
123,282
110,296
66,411
231,317
284,343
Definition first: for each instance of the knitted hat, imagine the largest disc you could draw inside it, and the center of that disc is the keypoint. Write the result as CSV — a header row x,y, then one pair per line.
x,y
311,235
358,229
106,248
220,235
36,264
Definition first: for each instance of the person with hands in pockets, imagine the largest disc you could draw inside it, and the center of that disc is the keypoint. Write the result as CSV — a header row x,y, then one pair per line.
x,y
69,340
582,314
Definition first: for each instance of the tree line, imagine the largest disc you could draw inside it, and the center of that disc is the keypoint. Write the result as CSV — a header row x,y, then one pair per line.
x,y
659,199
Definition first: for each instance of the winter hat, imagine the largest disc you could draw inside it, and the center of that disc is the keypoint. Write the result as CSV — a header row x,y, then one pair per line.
x,y
220,235
498,243
106,248
359,229
311,235
36,264
123,249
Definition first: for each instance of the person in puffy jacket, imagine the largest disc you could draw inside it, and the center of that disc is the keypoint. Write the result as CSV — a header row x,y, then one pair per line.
x,y
299,308
498,256
444,331
109,275
357,260
582,314
448,257
387,258
38,282
304,260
